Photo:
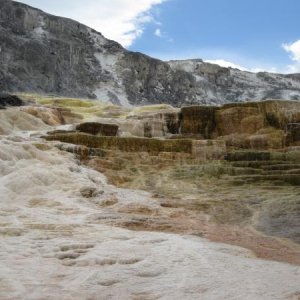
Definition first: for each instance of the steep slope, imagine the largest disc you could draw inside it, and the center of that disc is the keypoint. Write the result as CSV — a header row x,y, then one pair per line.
x,y
47,54
228,84
44,53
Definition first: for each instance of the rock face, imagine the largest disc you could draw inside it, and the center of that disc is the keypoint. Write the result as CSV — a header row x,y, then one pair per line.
x,y
98,128
253,125
47,54
261,125
199,120
220,85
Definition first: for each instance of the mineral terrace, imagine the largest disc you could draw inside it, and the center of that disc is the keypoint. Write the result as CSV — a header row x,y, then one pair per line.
x,y
152,202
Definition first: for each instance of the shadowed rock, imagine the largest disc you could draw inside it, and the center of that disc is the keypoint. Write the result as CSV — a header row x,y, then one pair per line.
x,y
293,133
198,120
98,128
9,100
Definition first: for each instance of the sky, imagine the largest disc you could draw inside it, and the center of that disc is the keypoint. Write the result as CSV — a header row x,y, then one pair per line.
x,y
253,35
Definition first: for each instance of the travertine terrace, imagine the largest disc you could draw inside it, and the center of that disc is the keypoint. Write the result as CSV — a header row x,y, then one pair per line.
x,y
111,219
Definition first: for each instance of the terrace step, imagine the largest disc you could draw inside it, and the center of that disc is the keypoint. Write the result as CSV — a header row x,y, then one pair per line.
x,y
248,156
282,167
258,164
281,172
293,179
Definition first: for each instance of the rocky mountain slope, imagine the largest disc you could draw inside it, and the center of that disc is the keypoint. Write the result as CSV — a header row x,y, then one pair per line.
x,y
53,55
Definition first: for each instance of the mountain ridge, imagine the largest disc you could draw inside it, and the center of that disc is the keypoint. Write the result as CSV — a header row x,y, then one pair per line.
x,y
47,54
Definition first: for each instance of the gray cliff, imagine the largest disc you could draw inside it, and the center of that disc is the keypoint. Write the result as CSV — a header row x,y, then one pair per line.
x,y
42,53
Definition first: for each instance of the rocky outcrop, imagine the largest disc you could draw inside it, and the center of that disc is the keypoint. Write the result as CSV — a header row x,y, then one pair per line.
x,y
98,128
221,85
252,125
198,120
9,100
47,54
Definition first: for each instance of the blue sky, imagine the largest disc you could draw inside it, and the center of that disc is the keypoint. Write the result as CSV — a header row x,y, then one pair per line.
x,y
247,32
253,34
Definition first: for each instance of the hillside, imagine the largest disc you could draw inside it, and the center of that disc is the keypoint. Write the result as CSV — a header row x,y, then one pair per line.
x,y
53,55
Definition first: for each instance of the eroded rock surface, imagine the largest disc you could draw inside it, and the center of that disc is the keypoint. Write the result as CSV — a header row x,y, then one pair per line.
x,y
82,237
47,54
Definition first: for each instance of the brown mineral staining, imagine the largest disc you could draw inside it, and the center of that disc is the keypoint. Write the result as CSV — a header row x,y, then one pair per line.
x,y
215,170
98,128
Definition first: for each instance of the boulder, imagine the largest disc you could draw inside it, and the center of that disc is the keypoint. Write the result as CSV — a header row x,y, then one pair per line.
x,y
9,100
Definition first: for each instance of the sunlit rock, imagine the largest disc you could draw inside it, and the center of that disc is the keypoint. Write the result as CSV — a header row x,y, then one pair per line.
x,y
49,116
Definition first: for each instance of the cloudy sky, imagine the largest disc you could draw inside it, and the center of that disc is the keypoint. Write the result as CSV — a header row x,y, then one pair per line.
x,y
251,34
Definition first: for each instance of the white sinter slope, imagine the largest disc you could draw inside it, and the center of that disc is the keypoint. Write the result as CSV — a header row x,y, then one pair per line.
x,y
52,245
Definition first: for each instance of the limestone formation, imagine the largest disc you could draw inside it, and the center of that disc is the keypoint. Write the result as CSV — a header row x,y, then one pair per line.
x,y
129,144
254,125
293,130
87,229
199,120
98,200
49,116
98,128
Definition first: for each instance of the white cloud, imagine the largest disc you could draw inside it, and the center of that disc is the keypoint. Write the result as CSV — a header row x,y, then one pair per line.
x,y
293,69
227,64
258,69
294,50
163,35
119,20
158,33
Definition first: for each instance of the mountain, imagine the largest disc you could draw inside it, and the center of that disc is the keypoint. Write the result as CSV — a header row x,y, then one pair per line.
x,y
43,53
